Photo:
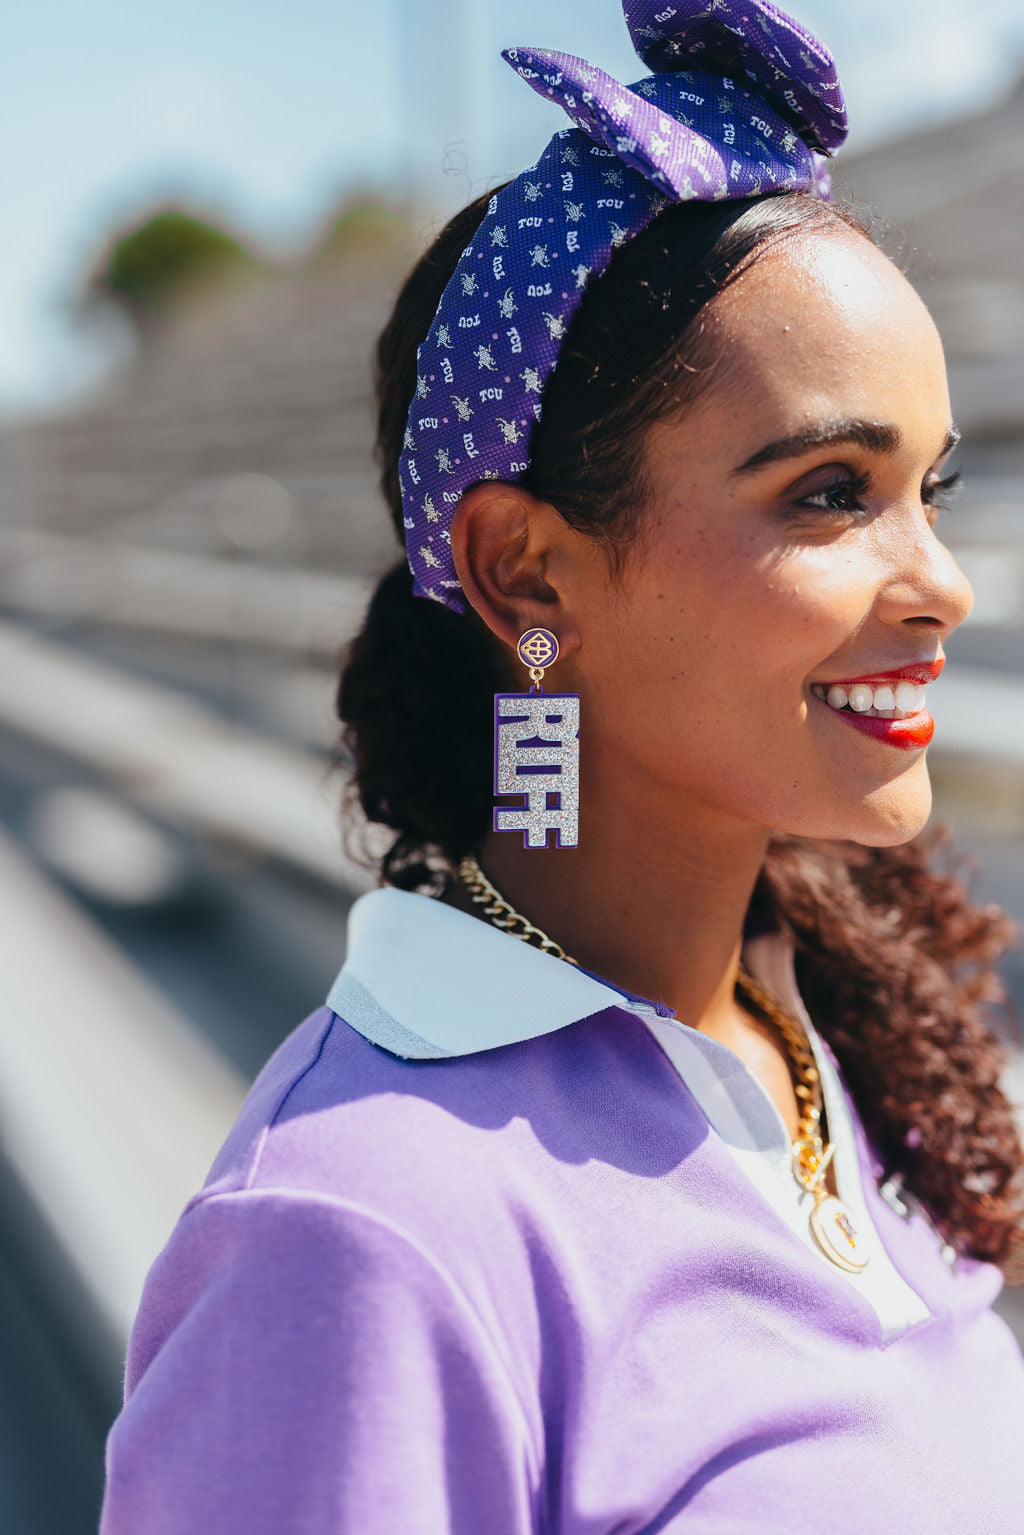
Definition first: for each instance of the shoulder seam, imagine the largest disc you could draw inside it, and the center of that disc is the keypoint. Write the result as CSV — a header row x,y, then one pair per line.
x,y
409,1240
272,1119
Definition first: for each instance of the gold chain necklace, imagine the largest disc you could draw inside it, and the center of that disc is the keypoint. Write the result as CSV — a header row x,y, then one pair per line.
x,y
830,1220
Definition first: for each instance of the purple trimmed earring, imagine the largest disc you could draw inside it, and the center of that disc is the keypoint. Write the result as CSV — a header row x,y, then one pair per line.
x,y
537,752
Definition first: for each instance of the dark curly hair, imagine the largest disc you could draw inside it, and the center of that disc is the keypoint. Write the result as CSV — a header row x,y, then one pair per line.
x,y
894,961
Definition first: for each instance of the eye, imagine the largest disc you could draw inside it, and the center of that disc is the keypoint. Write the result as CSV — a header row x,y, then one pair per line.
x,y
845,495
934,492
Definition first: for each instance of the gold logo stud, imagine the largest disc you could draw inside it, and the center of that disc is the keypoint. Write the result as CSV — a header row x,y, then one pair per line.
x,y
537,647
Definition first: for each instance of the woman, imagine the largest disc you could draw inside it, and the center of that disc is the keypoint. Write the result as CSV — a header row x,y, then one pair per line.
x,y
599,1231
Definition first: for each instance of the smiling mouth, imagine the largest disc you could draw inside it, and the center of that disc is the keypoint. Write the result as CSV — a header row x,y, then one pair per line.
x,y
889,706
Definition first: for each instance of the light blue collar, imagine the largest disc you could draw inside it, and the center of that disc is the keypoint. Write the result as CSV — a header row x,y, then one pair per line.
x,y
425,980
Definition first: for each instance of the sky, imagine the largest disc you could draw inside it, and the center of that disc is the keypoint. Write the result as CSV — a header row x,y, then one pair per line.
x,y
266,114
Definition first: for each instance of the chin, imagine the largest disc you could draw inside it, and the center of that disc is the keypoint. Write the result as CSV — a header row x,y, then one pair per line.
x,y
879,815
895,813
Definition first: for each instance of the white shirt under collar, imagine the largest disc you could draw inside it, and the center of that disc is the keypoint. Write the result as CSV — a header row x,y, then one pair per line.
x,y
425,980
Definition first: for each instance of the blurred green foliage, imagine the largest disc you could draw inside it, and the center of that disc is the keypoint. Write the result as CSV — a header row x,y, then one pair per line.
x,y
156,266
149,268
363,228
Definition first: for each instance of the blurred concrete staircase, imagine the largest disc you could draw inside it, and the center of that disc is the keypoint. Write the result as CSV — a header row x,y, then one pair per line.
x,y
272,378
955,194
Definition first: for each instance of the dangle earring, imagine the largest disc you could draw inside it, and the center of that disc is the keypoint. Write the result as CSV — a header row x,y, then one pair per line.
x,y
537,752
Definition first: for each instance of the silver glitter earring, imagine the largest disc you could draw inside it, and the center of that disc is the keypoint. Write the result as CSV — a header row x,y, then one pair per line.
x,y
537,752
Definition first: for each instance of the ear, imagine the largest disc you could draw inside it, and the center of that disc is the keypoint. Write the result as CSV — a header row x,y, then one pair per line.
x,y
514,557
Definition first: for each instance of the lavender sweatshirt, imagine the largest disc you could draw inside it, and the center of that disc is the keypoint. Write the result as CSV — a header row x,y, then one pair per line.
x,y
474,1259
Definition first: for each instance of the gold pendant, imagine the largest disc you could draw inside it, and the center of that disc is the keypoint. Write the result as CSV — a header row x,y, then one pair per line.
x,y
836,1234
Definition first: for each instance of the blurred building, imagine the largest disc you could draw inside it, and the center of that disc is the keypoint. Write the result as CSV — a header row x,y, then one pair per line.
x,y
267,376
954,196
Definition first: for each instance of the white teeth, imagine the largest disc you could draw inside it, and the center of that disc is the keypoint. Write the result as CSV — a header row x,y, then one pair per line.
x,y
885,701
909,697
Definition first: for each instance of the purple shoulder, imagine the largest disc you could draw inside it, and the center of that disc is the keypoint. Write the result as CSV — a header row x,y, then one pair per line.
x,y
294,1058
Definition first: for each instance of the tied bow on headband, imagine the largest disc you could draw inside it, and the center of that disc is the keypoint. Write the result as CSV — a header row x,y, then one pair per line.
x,y
743,101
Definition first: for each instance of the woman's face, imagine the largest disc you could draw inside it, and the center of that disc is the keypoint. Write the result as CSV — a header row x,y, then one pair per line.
x,y
789,548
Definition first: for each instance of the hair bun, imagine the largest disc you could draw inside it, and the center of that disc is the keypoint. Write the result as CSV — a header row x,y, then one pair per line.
x,y
420,748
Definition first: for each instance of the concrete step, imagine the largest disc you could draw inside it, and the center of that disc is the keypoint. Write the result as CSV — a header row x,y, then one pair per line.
x,y
178,758
112,1105
311,613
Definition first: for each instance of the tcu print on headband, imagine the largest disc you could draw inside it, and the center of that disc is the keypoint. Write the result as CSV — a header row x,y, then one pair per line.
x,y
743,101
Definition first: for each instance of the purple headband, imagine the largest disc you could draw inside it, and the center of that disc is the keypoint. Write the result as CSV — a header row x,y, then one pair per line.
x,y
690,130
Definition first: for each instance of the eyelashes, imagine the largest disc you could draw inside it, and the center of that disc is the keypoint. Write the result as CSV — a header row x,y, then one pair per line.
x,y
847,495
940,488
843,496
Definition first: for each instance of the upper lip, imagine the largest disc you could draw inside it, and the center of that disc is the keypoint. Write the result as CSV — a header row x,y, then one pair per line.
x,y
917,671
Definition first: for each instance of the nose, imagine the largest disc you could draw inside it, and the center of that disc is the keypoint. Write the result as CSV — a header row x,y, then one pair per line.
x,y
926,588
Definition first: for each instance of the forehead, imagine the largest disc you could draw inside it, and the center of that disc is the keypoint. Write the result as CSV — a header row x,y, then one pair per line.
x,y
823,321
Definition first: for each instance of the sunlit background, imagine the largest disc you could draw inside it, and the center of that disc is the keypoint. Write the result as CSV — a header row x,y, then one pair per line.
x,y
207,209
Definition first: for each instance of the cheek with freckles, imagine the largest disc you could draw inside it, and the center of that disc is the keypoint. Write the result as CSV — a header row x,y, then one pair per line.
x,y
701,682
721,631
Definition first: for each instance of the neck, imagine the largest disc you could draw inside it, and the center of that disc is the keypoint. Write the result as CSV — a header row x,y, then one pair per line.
x,y
653,902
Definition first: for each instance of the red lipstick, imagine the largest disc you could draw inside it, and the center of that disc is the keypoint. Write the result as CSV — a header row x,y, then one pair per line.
x,y
910,733
918,671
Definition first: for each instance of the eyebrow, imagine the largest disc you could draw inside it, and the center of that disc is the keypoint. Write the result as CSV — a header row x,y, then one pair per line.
x,y
876,436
